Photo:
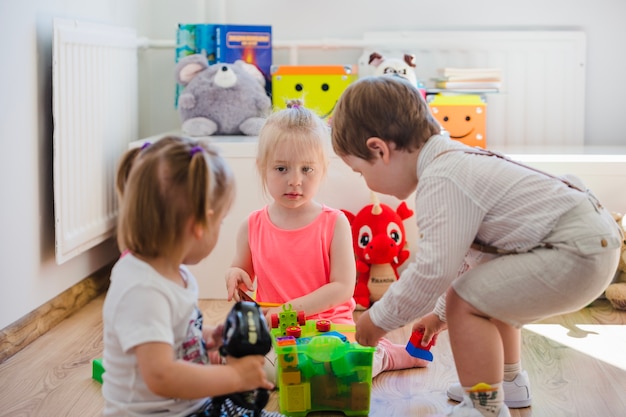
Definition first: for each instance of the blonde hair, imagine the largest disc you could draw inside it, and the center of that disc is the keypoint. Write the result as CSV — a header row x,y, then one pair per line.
x,y
386,107
304,132
164,185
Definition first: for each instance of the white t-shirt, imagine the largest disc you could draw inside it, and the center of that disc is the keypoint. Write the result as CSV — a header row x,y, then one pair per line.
x,y
142,306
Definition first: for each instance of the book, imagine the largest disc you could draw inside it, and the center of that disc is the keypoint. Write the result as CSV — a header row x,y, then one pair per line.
x,y
206,41
185,45
469,78
185,40
192,39
469,73
250,43
468,85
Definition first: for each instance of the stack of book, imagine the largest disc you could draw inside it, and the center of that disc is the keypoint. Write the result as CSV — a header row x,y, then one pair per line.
x,y
469,79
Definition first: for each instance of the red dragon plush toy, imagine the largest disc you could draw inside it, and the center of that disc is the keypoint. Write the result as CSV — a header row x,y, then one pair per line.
x,y
379,241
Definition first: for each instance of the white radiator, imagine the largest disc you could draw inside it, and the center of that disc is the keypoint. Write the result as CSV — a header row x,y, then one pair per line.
x,y
95,117
542,101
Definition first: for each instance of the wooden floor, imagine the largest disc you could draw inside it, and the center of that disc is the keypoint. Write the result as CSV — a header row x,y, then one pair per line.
x,y
576,362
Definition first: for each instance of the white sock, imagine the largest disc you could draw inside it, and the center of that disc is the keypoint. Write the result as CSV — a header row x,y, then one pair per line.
x,y
488,399
511,370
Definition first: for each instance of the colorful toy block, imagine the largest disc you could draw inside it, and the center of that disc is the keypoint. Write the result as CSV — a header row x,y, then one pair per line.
x,y
316,87
323,371
462,116
97,369
296,398
288,318
415,348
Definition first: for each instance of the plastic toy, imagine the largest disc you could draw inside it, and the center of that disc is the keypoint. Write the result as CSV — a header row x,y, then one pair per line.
x,y
379,242
616,292
243,296
463,116
415,348
221,99
321,370
97,369
287,319
245,333
317,87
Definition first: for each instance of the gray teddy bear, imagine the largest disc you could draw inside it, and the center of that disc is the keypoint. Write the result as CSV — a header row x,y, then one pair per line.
x,y
221,99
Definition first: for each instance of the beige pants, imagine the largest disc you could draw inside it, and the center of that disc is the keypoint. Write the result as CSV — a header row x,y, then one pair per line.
x,y
522,288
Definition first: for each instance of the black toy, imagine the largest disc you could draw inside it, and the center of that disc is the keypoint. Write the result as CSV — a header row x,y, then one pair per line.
x,y
245,333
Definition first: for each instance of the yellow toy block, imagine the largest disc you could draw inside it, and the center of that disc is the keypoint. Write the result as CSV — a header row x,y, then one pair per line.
x,y
316,87
360,399
288,356
462,116
291,376
295,398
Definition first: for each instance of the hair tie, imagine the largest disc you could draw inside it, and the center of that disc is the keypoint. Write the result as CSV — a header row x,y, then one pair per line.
x,y
145,145
294,104
195,150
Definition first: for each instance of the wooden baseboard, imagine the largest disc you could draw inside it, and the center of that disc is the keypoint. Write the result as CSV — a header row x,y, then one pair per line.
x,y
20,334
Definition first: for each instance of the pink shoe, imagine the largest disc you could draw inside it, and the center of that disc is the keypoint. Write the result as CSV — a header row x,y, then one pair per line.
x,y
390,357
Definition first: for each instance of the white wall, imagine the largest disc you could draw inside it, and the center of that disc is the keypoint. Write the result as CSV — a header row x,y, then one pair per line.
x,y
601,20
30,276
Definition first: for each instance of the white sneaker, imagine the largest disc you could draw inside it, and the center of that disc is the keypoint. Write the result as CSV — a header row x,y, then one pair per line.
x,y
516,392
466,409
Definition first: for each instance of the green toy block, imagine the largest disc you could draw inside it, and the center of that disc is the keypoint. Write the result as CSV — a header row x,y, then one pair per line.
x,y
322,371
97,369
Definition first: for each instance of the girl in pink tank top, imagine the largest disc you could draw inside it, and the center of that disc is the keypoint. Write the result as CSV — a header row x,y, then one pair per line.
x,y
295,249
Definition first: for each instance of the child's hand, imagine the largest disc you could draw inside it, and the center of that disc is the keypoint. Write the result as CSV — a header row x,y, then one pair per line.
x,y
367,333
430,325
250,371
213,336
237,278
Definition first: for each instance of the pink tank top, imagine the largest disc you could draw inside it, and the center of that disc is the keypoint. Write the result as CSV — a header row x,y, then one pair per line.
x,y
291,263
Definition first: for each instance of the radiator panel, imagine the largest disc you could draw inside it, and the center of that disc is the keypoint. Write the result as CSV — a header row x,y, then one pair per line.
x,y
95,117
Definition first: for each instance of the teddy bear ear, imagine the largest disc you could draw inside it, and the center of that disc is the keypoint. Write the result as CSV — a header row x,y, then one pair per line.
x,y
187,72
376,59
252,70
188,67
409,59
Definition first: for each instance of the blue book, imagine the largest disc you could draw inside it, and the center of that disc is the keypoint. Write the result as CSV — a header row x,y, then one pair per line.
x,y
250,43
194,39
206,42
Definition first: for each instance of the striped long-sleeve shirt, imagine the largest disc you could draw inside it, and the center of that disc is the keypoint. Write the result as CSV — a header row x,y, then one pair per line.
x,y
463,197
